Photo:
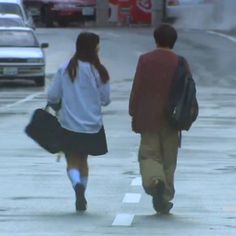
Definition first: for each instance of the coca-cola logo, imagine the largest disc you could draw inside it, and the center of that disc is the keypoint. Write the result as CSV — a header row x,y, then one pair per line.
x,y
144,5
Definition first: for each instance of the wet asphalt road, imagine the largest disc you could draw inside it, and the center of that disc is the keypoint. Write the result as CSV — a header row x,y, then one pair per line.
x,y
35,195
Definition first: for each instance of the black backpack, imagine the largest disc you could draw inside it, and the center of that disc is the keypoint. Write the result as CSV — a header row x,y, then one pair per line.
x,y
183,105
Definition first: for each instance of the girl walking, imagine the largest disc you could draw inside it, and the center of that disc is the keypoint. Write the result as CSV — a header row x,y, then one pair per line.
x,y
81,87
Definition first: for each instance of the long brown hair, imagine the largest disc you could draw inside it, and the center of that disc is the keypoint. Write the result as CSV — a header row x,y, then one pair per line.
x,y
86,50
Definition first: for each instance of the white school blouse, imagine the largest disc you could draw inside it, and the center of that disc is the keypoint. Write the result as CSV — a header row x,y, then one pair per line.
x,y
81,100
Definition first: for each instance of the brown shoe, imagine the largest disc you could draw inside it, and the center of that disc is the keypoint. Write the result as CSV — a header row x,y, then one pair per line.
x,y
166,207
157,197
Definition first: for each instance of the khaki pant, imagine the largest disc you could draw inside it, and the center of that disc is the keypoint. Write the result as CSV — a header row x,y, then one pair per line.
x,y
158,159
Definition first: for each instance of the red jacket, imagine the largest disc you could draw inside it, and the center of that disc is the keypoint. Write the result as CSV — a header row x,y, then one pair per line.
x,y
150,91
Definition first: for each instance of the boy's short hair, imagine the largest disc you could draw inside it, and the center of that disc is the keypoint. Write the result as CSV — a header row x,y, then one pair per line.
x,y
165,35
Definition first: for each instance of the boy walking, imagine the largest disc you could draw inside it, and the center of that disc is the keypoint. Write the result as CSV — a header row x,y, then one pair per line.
x,y
148,107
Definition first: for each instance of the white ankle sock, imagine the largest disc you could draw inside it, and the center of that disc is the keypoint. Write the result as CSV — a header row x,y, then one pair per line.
x,y
74,176
84,180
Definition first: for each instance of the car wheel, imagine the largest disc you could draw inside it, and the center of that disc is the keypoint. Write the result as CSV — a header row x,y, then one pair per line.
x,y
40,82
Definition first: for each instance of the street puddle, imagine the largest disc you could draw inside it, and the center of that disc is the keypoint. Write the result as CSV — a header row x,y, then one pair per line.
x,y
34,198
227,169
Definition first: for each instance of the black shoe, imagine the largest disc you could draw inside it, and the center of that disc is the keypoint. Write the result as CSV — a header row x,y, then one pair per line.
x,y
81,203
157,197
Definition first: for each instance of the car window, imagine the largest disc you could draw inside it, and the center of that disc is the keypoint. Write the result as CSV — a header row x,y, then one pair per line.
x,y
17,39
11,22
10,8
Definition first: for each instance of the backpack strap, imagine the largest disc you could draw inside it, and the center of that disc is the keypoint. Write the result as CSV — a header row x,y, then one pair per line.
x,y
181,65
181,60
179,138
180,69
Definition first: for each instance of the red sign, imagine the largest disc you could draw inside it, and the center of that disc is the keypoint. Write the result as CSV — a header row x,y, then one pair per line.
x,y
141,11
144,5
133,11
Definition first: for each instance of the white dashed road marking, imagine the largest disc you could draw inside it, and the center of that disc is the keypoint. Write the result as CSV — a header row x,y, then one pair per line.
x,y
123,220
233,39
132,198
136,182
26,99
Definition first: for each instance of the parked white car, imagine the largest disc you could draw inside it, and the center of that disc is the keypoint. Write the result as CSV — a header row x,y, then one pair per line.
x,y
11,20
17,8
181,8
21,55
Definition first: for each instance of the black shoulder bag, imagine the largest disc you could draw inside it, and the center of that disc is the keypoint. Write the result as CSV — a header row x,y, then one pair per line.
x,y
45,130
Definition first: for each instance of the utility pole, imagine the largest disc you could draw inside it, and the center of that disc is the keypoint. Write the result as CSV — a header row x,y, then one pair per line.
x,y
158,11
102,12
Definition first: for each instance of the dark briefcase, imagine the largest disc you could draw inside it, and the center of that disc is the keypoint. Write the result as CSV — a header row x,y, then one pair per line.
x,y
45,130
